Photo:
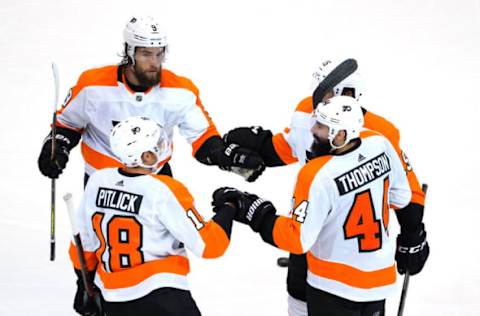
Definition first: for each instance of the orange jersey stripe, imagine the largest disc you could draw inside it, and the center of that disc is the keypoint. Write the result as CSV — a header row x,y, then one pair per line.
x,y
286,235
349,275
389,130
287,231
105,76
179,190
90,258
97,159
215,239
133,276
305,178
210,132
305,106
368,133
283,149
381,125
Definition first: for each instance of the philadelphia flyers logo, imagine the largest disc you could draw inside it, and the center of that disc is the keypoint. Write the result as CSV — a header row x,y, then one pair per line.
x,y
135,130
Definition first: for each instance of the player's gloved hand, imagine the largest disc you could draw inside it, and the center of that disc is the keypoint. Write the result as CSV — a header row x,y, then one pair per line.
x,y
225,195
242,161
83,304
412,251
53,168
248,137
252,210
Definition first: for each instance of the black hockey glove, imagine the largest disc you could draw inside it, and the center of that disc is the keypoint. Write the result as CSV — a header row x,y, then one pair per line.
x,y
53,168
242,161
412,251
253,209
225,195
257,139
250,208
83,304
249,137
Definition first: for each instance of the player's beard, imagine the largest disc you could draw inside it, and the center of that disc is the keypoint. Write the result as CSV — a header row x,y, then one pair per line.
x,y
320,147
148,79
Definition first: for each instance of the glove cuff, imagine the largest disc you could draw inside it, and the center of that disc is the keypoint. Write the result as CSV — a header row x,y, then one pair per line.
x,y
257,211
90,276
411,242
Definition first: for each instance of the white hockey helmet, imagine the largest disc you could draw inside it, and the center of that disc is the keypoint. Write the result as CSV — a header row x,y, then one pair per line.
x,y
133,136
354,81
340,113
143,32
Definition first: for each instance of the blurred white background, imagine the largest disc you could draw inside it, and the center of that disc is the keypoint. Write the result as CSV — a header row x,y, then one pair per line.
x,y
252,61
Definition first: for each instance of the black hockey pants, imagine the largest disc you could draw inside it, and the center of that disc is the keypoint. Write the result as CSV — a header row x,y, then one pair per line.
x,y
164,301
321,303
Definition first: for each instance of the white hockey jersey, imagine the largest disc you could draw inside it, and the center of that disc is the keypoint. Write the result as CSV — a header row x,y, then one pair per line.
x,y
340,218
134,230
100,99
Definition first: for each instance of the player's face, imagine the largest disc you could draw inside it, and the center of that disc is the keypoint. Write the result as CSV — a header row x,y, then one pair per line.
x,y
148,63
149,158
320,131
321,144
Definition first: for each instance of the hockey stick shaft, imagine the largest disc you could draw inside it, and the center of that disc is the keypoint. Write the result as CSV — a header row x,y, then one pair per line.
x,y
406,279
53,184
78,244
81,256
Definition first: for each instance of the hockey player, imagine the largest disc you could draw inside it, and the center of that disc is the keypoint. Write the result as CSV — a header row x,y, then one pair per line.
x,y
340,215
293,145
139,85
135,226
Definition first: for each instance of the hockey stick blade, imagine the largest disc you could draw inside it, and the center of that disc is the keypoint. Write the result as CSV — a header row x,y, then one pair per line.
x,y
342,71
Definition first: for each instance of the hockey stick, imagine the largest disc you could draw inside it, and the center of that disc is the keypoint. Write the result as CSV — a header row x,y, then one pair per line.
x,y
81,257
406,279
54,132
340,73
